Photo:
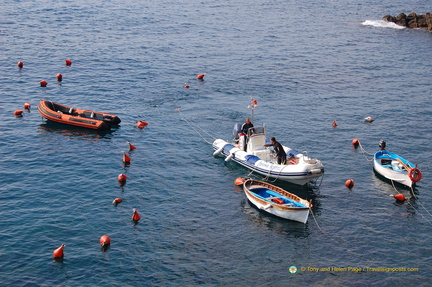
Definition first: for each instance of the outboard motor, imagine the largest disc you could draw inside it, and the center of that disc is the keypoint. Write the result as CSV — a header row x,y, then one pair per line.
x,y
382,144
236,130
108,120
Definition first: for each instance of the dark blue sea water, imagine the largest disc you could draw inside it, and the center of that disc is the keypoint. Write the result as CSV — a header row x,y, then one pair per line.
x,y
307,63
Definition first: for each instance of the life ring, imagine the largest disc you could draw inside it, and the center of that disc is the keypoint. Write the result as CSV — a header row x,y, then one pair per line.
x,y
277,200
415,174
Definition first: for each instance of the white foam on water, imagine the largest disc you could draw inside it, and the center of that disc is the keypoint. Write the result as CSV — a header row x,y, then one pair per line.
x,y
382,24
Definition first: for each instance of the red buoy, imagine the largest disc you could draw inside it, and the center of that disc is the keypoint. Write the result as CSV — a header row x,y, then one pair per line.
x,y
27,106
68,62
355,143
126,158
400,197
20,64
135,215
186,85
334,124
18,113
117,201
58,253
349,183
59,77
122,178
141,124
131,147
43,83
104,240
238,181
200,76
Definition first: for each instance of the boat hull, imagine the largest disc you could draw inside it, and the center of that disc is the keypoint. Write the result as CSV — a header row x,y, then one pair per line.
x,y
302,172
261,194
77,117
391,167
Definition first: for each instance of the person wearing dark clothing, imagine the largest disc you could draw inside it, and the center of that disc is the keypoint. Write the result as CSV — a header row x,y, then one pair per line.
x,y
246,126
280,152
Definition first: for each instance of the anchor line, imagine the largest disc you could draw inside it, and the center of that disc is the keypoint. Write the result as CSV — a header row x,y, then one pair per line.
x,y
365,152
418,200
190,124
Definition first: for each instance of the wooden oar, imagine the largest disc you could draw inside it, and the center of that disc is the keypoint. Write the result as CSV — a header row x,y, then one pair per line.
x,y
404,165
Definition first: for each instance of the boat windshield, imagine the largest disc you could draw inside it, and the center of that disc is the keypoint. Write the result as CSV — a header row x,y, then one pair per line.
x,y
256,131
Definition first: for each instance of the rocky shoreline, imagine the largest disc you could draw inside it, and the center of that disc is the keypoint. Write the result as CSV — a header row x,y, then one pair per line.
x,y
413,20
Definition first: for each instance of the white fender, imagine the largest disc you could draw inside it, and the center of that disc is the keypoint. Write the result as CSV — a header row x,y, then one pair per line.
x,y
229,157
266,207
218,151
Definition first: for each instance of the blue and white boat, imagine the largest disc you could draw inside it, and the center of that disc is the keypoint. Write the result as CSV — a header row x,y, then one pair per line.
x,y
276,201
250,152
395,167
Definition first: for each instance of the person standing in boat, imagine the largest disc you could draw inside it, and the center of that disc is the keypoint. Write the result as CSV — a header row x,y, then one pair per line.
x,y
280,152
244,130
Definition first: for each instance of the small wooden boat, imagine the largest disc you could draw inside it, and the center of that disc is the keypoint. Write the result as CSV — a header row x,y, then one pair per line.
x,y
77,117
276,200
395,168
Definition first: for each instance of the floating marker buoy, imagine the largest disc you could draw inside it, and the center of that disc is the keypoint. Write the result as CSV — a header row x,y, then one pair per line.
x,y
117,201
334,124
186,85
58,253
59,77
349,183
122,178
126,158
355,143
369,119
135,215
68,62
131,147
177,109
238,181
18,113
20,64
43,83
105,242
200,76
400,197
141,124
27,106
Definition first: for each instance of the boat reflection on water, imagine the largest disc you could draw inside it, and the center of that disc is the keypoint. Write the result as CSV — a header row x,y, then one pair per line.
x,y
73,131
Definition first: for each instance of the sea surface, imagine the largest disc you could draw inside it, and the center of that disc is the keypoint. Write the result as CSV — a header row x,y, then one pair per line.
x,y
307,63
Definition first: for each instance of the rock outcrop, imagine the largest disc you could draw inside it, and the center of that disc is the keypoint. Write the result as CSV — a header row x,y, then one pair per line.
x,y
412,20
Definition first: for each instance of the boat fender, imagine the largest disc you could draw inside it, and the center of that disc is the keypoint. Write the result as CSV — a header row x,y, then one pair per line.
x,y
228,158
277,200
315,171
266,207
415,174
218,151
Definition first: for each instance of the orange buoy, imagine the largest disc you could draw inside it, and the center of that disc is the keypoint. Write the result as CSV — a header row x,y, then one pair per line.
x,y
117,201
238,181
135,215
355,143
68,62
141,124
186,85
27,106
334,124
349,183
18,113
104,240
20,64
400,197
43,83
59,77
131,146
126,158
122,178
200,76
58,253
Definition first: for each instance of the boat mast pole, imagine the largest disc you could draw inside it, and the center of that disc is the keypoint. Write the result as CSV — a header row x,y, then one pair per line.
x,y
252,106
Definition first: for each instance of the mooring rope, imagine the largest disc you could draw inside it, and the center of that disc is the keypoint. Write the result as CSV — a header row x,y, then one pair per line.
x,y
365,152
418,200
190,124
